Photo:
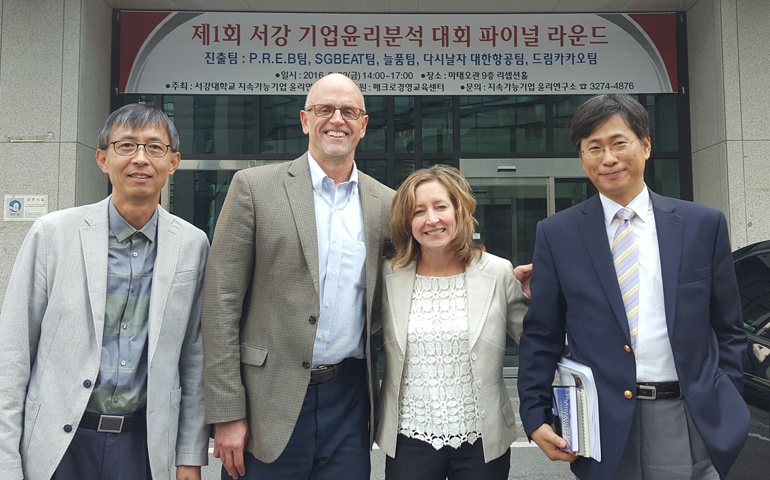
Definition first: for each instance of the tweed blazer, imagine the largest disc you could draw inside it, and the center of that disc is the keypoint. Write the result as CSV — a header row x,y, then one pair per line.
x,y
52,324
261,299
496,306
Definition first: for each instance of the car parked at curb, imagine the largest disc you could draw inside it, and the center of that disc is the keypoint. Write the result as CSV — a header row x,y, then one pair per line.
x,y
752,268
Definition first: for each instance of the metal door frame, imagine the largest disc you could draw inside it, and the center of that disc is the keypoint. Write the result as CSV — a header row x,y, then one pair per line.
x,y
505,171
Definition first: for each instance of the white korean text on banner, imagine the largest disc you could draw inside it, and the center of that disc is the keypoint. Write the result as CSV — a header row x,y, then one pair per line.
x,y
396,54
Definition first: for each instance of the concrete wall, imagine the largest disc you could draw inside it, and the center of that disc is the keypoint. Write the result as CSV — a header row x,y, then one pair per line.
x,y
55,70
730,112
54,77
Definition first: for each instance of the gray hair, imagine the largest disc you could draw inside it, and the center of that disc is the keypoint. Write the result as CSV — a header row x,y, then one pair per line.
x,y
135,116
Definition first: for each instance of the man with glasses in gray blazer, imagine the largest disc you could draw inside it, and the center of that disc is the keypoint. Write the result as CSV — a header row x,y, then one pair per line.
x,y
101,369
290,300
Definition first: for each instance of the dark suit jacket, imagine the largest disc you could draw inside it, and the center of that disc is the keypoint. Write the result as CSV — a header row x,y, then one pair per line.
x,y
575,291
261,299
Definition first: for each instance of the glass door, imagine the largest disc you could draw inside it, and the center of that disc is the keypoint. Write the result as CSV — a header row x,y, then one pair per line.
x,y
508,215
512,196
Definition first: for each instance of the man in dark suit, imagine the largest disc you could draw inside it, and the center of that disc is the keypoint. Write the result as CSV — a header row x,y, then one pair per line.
x,y
644,288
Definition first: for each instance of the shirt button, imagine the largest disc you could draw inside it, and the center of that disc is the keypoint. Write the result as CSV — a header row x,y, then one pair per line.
x,y
320,337
68,428
312,320
332,272
474,356
135,254
627,348
125,326
628,394
336,240
87,383
306,365
123,362
114,400
483,414
479,383
335,209
328,305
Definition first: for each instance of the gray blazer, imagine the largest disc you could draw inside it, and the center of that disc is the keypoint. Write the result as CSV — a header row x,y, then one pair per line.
x,y
261,299
496,305
52,323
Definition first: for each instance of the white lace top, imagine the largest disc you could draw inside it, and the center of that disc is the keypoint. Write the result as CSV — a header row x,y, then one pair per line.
x,y
439,400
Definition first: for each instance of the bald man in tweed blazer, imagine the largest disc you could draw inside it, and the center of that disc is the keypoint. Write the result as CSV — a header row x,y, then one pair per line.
x,y
262,310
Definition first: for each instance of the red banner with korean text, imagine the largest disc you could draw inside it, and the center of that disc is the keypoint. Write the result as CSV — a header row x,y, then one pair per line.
x,y
396,54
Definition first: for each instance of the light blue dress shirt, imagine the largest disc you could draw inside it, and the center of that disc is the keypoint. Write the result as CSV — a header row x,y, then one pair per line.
x,y
341,259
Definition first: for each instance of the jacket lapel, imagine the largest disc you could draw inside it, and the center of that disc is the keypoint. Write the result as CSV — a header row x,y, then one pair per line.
x,y
299,190
480,286
162,275
669,229
94,240
594,233
399,286
370,209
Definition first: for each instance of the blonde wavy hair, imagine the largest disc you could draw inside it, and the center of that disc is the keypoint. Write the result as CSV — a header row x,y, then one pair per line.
x,y
406,248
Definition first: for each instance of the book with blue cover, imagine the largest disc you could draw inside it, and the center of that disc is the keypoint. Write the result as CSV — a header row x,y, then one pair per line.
x,y
576,410
565,416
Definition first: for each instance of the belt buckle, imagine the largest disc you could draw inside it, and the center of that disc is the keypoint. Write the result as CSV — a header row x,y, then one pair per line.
x,y
110,424
646,396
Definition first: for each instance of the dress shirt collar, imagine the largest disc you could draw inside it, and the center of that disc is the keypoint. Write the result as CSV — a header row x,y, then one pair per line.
x,y
640,205
123,230
317,175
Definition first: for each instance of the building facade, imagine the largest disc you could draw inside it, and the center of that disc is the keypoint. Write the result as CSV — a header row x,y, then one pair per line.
x,y
711,139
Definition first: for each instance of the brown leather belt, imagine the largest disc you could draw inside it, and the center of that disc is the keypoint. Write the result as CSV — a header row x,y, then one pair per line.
x,y
328,373
112,423
657,391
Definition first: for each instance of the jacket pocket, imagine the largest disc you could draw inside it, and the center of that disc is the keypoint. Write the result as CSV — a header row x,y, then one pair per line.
x,y
508,415
253,355
182,277
694,275
31,409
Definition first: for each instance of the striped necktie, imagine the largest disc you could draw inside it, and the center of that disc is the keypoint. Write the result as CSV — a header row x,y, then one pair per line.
x,y
625,255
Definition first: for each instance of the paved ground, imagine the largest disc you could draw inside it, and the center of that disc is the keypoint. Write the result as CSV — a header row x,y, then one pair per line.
x,y
527,461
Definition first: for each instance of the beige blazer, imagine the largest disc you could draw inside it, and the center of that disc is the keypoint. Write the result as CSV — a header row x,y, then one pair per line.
x,y
261,299
496,306
51,328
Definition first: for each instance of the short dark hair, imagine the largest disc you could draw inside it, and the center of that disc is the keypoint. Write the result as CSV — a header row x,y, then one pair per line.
x,y
598,109
136,116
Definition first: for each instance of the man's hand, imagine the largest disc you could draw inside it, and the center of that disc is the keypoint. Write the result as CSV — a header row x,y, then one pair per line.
x,y
550,444
523,273
187,472
229,442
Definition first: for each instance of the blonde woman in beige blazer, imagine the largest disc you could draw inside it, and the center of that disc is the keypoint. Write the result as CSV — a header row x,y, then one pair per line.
x,y
446,309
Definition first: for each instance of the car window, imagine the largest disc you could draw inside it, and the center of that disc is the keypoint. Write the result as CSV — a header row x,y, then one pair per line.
x,y
753,275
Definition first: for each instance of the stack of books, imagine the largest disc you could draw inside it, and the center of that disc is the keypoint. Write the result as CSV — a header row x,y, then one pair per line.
x,y
576,410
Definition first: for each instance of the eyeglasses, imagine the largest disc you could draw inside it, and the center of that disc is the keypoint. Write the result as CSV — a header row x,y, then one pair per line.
x,y
327,111
616,148
153,149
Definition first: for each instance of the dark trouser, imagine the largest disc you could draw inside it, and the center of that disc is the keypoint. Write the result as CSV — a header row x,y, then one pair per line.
x,y
331,437
106,456
418,460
